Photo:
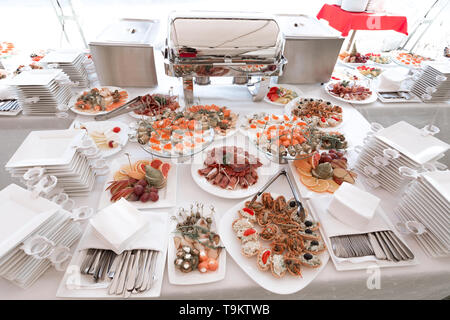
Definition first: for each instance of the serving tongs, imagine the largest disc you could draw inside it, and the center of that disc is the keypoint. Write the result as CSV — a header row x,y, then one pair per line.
x,y
131,105
300,209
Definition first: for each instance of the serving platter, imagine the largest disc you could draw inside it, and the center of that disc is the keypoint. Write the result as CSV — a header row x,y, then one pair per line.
x,y
371,99
74,99
167,195
285,285
177,277
267,169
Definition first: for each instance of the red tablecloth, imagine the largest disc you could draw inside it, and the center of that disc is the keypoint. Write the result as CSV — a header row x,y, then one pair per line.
x,y
344,21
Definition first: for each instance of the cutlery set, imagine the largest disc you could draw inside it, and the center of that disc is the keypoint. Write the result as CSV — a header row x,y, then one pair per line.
x,y
384,245
9,107
131,272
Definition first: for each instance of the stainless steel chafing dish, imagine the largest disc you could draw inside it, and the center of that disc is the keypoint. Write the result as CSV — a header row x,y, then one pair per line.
x,y
246,47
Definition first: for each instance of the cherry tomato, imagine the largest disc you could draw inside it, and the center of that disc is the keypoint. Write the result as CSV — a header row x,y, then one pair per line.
x,y
265,256
116,129
249,211
249,232
212,264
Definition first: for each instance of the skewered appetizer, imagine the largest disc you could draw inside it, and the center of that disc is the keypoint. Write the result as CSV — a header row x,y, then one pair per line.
x,y
333,140
139,181
349,91
284,244
369,72
324,172
103,99
318,112
281,95
378,58
221,119
230,168
282,135
198,246
156,104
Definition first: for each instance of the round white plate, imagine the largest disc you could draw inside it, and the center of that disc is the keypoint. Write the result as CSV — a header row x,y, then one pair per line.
x,y
265,172
371,99
266,99
177,277
352,65
102,126
291,105
75,97
285,285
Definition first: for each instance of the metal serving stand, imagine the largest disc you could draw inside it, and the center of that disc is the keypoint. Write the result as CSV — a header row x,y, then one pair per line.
x,y
200,45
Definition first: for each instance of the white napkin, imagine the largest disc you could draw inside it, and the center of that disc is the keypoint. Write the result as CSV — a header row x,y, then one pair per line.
x,y
150,238
333,227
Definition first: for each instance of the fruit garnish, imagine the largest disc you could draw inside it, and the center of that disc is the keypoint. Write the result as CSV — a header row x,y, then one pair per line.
x,y
249,211
249,232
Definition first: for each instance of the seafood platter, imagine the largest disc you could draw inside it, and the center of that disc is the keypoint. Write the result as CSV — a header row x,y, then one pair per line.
x,y
408,59
280,95
281,137
231,172
356,92
184,133
98,100
145,183
195,252
275,240
195,50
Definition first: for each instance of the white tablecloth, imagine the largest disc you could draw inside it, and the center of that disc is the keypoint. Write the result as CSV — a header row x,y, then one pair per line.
x,y
427,280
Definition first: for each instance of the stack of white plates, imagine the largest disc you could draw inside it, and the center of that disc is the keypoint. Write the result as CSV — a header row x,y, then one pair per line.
x,y
26,219
41,92
72,63
390,155
433,84
427,201
61,153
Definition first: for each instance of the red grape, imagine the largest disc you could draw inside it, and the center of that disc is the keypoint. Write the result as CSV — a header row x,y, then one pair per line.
x,y
327,158
142,182
154,196
331,151
152,189
333,156
145,197
138,189
339,154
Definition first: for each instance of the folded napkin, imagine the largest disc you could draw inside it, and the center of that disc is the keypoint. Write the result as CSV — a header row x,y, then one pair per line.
x,y
332,227
150,237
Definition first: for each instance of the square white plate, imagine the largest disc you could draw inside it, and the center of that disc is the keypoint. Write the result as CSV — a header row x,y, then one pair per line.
x,y
167,195
49,147
21,215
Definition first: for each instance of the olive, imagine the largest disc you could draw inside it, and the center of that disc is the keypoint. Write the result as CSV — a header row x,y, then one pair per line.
x,y
308,223
308,231
307,256
315,243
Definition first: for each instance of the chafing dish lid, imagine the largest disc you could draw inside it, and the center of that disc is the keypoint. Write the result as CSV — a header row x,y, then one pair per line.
x,y
224,34
300,26
129,32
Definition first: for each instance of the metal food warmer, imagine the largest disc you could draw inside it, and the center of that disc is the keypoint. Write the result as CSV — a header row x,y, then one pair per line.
x,y
247,47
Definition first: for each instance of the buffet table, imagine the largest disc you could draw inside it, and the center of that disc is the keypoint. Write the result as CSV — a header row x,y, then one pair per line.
x,y
427,280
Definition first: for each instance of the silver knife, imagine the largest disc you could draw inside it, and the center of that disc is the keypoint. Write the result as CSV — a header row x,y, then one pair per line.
x,y
400,245
118,272
146,272
385,249
131,279
379,253
153,271
142,262
391,247
123,274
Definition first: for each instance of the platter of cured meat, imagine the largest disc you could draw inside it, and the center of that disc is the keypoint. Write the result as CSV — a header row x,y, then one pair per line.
x,y
350,91
272,245
195,252
155,104
231,172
